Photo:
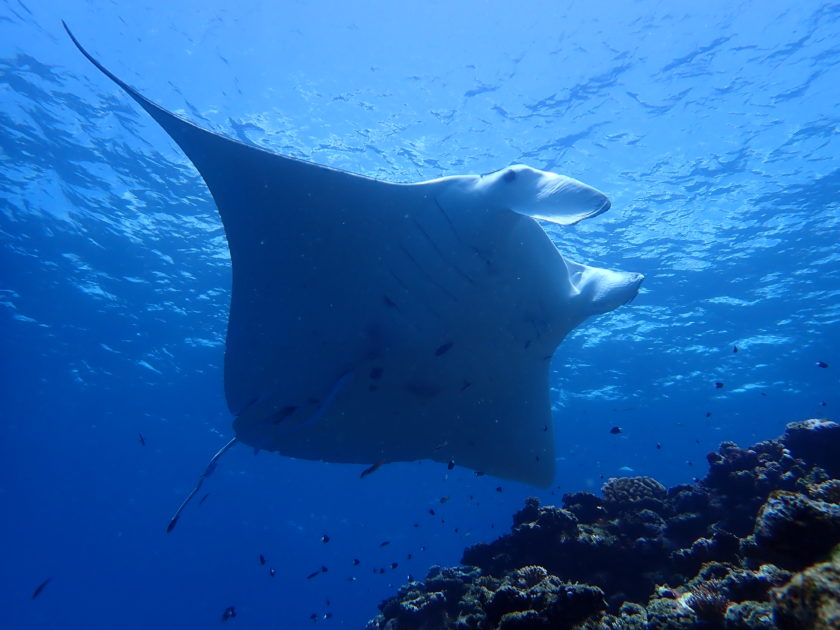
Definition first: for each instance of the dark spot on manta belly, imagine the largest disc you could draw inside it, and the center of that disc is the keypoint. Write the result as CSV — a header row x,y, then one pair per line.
x,y
422,390
444,348
376,373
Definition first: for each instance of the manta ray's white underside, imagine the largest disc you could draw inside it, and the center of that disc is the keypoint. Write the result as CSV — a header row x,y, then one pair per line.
x,y
372,321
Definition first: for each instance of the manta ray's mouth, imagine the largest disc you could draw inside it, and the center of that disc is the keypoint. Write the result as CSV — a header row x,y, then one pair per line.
x,y
638,280
600,209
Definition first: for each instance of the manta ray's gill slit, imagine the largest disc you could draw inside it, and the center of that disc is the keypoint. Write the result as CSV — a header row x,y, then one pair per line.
x,y
412,322
449,222
484,258
437,249
400,282
426,274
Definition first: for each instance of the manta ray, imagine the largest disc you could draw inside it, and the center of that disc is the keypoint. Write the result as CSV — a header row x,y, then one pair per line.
x,y
375,322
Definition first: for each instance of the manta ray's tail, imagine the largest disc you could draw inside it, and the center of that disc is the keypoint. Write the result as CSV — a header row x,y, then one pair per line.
x,y
207,472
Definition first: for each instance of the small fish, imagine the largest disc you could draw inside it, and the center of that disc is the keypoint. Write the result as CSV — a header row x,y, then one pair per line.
x,y
823,403
480,473
382,571
142,439
204,498
718,385
312,575
450,465
313,617
498,488
40,588
394,565
734,349
356,562
708,414
262,559
658,446
324,569
615,430
327,615
822,364
443,500
431,511
272,571
371,469
441,350
325,539
408,557
385,543
230,613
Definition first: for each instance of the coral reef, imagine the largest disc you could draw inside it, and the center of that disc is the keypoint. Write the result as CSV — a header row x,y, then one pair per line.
x,y
811,599
755,545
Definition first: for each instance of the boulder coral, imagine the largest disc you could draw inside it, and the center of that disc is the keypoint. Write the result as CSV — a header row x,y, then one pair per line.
x,y
754,545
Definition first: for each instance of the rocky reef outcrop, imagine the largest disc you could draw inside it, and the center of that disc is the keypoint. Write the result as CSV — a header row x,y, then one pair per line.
x,y
753,545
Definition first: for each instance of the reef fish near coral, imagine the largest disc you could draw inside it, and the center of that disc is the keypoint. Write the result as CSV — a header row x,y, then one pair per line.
x,y
755,545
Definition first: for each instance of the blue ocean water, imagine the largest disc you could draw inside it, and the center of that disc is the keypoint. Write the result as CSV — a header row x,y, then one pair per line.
x,y
714,127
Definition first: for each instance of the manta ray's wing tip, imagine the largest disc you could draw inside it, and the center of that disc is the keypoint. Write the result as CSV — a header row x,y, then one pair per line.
x,y
70,33
132,92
